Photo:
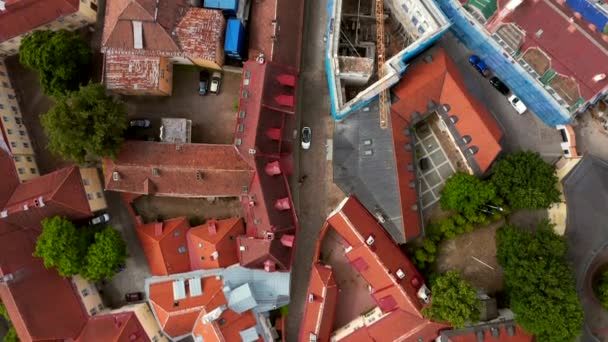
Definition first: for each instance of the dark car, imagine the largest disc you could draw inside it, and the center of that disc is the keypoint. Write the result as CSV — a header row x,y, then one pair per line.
x,y
134,297
479,65
203,83
501,87
142,123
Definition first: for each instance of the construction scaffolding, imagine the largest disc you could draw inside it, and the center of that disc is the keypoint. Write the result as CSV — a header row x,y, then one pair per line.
x,y
384,105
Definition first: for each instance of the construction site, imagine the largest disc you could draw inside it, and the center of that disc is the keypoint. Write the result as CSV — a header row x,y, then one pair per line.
x,y
369,44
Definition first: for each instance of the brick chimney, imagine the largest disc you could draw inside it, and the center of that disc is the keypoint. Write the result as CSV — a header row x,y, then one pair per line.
x,y
158,228
270,266
212,227
273,168
282,204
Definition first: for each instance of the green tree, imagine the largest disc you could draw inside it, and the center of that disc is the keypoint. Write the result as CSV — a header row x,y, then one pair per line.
x,y
525,181
4,313
539,282
453,300
105,255
62,59
61,246
11,335
465,193
86,125
601,289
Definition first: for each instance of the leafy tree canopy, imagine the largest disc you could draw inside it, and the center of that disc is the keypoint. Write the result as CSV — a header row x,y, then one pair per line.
x,y
11,335
105,255
601,289
60,246
453,300
86,125
539,282
465,193
525,181
62,58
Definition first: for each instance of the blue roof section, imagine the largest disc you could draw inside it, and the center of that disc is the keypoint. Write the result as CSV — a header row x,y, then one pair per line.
x,y
235,35
590,12
521,83
241,299
231,5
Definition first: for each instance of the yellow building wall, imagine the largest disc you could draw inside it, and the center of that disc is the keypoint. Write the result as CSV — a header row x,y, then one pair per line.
x,y
93,188
86,14
146,319
165,81
89,296
206,64
14,130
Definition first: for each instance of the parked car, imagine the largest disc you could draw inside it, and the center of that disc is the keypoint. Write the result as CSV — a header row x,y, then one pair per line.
x,y
103,218
519,106
216,83
203,83
501,87
479,65
306,137
134,297
142,123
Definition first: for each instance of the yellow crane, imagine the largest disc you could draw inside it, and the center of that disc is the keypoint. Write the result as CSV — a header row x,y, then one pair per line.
x,y
384,105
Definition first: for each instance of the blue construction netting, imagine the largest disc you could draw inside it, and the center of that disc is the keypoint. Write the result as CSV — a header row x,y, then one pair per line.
x,y
590,12
523,85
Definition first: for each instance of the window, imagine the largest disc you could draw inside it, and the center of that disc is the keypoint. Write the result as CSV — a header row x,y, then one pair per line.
x,y
9,131
100,307
85,181
83,22
93,311
18,121
89,196
94,7
181,249
32,171
155,339
21,170
28,158
26,145
17,158
85,292
11,96
98,194
5,119
21,132
13,144
74,15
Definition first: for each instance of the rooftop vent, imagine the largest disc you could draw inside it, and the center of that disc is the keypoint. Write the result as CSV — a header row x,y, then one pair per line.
x,y
454,119
199,175
138,35
115,176
311,297
242,248
466,139
400,274
539,33
4,213
252,151
215,255
473,149
370,240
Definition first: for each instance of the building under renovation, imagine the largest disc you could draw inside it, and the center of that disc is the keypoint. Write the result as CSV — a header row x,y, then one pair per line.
x,y
361,65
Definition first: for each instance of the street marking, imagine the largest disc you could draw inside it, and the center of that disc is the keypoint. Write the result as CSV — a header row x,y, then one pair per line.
x,y
483,263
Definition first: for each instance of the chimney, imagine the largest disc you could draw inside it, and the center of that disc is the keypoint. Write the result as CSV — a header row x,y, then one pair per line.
x,y
2,5
282,204
270,266
287,240
212,227
158,228
273,168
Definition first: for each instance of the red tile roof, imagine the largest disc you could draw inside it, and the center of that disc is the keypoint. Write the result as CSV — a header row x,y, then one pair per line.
x,y
186,170
117,327
42,305
469,335
132,72
58,193
398,325
254,252
204,240
10,179
178,320
161,242
319,309
383,258
226,327
23,16
169,28
438,81
561,44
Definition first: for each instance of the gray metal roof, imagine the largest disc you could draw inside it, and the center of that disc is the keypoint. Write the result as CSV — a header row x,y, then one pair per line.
x,y
249,335
241,299
372,178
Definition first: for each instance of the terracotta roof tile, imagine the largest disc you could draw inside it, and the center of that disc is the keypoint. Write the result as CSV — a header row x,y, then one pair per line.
x,y
188,170
383,258
200,34
253,252
132,72
319,310
58,193
470,335
162,250
23,16
8,174
117,327
226,328
178,320
32,299
202,243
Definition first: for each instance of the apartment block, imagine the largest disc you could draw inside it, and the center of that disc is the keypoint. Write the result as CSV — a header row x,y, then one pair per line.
x,y
93,188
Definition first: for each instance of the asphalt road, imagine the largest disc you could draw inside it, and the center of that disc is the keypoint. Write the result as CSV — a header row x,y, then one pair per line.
x,y
310,200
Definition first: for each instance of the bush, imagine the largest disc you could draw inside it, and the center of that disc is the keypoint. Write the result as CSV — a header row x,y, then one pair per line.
x,y
453,300
601,289
11,335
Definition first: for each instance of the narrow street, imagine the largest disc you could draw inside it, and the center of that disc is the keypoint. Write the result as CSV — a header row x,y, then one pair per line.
x,y
310,197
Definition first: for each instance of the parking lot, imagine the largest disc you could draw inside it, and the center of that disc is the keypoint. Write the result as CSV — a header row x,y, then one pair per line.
x,y
213,116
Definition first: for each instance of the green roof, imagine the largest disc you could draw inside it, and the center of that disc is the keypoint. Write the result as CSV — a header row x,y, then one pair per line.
x,y
487,7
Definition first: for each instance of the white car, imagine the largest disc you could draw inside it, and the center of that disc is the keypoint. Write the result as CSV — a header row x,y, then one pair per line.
x,y
306,137
104,218
519,106
216,81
